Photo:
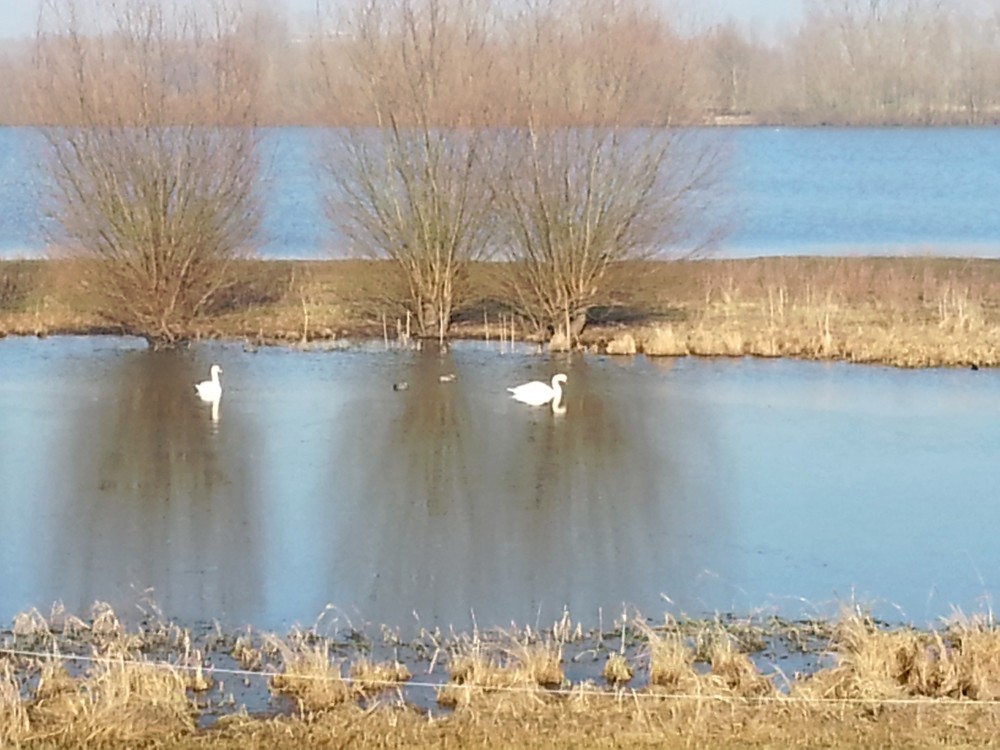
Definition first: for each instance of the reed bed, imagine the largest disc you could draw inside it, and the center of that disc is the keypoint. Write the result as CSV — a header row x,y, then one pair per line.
x,y
96,683
908,312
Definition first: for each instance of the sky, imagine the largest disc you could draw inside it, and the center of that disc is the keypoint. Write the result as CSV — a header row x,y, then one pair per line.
x,y
17,17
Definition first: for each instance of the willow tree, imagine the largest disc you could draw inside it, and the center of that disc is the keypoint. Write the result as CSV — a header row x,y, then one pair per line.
x,y
595,177
151,153
410,171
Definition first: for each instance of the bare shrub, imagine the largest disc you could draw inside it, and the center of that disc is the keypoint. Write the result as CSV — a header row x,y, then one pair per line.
x,y
583,189
413,189
151,153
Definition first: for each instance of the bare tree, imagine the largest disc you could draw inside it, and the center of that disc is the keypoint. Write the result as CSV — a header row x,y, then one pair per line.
x,y
585,190
413,189
152,156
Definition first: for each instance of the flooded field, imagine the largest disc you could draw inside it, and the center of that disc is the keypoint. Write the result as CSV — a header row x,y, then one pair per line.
x,y
320,491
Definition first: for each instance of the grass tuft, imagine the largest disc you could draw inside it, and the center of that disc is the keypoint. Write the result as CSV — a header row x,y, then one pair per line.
x,y
119,700
520,668
617,670
14,723
309,675
373,677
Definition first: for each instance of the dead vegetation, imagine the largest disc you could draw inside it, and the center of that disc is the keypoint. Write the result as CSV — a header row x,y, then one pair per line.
x,y
66,682
908,312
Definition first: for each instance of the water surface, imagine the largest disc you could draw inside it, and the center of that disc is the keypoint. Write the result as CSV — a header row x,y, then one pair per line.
x,y
783,191
686,486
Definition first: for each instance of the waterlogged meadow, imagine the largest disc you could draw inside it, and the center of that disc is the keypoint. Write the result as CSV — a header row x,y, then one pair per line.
x,y
326,541
373,543
104,684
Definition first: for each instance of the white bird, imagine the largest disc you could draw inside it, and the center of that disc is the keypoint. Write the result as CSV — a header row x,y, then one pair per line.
x,y
210,390
538,393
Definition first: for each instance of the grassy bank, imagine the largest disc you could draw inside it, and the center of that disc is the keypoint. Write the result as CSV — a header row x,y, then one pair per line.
x,y
910,312
66,682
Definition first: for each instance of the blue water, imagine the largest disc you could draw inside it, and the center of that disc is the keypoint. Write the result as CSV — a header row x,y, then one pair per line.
x,y
783,191
866,191
692,486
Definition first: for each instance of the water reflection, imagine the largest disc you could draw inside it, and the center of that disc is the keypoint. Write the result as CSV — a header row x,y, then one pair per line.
x,y
151,495
464,503
696,487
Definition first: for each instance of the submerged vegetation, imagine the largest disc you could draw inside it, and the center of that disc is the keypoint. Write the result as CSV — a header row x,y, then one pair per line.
x,y
908,312
68,682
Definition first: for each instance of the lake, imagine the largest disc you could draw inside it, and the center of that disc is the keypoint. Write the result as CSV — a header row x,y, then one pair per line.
x,y
686,486
786,191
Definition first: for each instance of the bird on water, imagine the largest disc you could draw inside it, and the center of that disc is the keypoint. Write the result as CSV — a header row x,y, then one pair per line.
x,y
210,390
537,393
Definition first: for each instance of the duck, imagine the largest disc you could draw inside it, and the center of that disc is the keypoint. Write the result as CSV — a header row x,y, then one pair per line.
x,y
537,393
210,390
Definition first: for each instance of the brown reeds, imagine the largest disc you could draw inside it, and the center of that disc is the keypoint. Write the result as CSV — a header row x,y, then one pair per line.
x,y
117,700
14,724
617,670
514,669
908,312
876,663
368,676
309,674
884,687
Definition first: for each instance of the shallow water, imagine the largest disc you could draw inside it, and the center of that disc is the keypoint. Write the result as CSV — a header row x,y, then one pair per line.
x,y
685,486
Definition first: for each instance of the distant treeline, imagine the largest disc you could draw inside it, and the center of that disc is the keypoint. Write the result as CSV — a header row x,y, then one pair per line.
x,y
850,62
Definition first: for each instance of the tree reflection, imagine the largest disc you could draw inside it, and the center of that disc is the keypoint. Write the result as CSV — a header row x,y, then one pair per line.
x,y
464,500
154,494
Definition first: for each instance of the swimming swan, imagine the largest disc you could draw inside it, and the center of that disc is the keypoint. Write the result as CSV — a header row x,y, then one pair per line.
x,y
210,390
538,393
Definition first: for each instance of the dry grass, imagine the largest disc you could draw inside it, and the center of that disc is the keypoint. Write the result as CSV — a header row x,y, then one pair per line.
x,y
14,722
373,677
671,661
617,670
514,670
586,721
874,663
886,687
309,676
909,312
118,701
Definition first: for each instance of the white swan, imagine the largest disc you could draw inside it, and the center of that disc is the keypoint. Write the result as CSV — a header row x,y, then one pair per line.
x,y
538,393
210,390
